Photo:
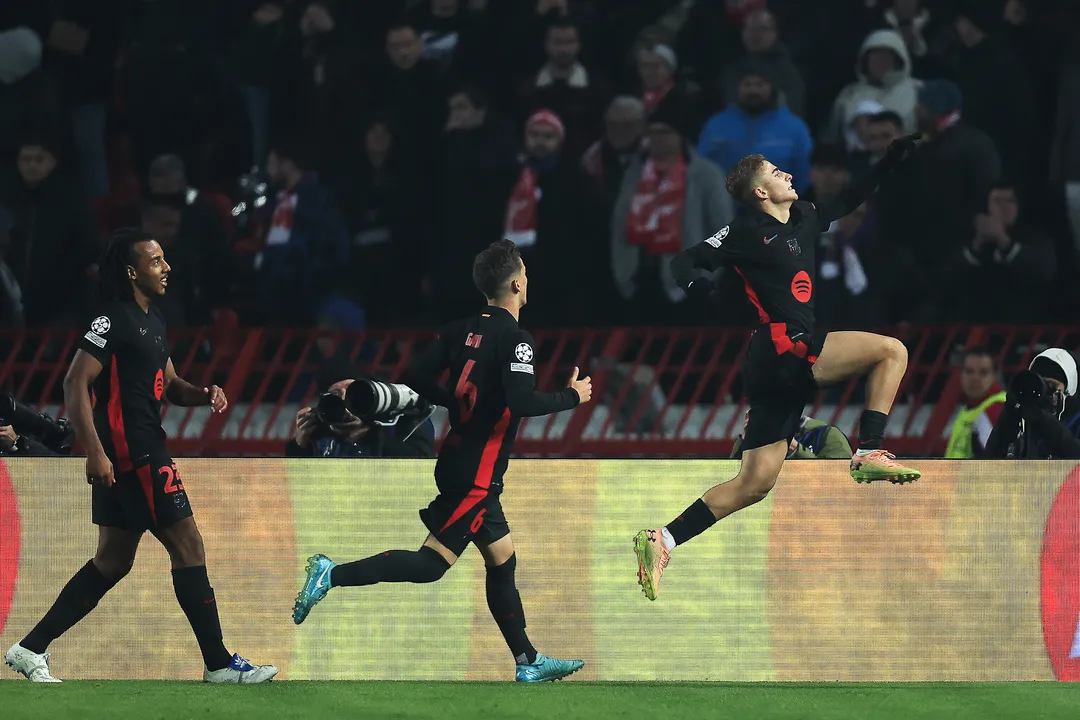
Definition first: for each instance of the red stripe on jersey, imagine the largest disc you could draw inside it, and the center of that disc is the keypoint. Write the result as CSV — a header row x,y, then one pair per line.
x,y
485,472
783,343
764,316
146,480
116,422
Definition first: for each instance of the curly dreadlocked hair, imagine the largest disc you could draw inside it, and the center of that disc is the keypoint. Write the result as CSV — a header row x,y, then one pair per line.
x,y
113,280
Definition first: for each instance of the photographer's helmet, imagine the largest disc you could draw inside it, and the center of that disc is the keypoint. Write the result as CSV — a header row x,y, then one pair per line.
x,y
1056,364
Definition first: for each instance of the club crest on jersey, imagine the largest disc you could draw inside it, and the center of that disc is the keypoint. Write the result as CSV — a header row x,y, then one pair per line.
x,y
524,352
101,325
717,239
793,246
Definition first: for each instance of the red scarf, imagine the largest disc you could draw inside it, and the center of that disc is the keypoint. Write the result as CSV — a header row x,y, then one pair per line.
x,y
656,210
522,209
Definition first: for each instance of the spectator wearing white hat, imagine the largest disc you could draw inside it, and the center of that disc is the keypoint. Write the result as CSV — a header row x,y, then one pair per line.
x,y
656,68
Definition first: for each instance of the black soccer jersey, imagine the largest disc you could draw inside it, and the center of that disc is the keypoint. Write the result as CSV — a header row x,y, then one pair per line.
x,y
130,345
491,387
775,261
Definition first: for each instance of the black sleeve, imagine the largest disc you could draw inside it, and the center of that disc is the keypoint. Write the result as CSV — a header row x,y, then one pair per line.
x,y
856,193
519,380
709,255
29,447
1059,441
1005,432
424,372
105,334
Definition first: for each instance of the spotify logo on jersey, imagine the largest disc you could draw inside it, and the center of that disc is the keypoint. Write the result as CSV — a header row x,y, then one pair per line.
x,y
801,287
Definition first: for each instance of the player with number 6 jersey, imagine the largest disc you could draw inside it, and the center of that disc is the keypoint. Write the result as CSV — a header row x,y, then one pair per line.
x,y
113,392
491,386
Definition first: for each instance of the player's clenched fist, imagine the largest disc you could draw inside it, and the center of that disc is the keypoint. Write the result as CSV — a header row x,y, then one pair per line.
x,y
216,398
99,470
582,387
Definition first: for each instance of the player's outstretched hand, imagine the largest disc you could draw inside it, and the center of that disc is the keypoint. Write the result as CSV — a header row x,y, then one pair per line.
x,y
99,470
700,288
217,400
582,387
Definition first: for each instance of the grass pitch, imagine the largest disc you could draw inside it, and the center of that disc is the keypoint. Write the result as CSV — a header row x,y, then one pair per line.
x,y
507,701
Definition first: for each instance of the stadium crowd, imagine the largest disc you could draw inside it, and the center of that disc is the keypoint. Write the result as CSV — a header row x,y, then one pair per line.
x,y
338,164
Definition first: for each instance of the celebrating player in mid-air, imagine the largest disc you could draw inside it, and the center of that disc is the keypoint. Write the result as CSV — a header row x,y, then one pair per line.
x,y
772,248
124,358
490,360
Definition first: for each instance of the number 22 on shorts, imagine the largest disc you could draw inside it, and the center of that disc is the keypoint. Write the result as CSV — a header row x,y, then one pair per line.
x,y
172,478
465,392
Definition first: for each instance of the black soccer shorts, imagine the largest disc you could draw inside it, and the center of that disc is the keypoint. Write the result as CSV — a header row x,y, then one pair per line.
x,y
150,497
458,518
778,381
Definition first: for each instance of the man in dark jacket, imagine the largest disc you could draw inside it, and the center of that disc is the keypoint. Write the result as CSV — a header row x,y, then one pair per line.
x,y
760,38
1009,265
932,203
53,239
1031,423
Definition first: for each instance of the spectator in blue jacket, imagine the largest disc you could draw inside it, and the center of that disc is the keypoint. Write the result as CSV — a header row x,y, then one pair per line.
x,y
756,124
300,268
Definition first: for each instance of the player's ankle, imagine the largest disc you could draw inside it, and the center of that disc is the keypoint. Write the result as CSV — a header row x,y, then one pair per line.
x,y
669,541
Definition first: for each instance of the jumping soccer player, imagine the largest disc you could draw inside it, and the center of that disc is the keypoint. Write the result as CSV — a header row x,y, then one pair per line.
x,y
493,385
136,486
772,249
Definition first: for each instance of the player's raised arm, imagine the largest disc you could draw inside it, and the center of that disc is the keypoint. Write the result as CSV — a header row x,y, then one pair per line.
x,y
859,191
690,267
424,371
519,380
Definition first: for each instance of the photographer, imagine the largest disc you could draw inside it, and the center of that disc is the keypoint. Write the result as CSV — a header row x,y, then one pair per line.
x,y
26,433
1030,425
328,429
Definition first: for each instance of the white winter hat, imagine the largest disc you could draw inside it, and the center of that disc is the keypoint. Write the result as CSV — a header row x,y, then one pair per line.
x,y
1064,360
20,54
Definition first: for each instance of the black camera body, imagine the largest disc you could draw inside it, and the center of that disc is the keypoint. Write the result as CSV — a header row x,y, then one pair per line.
x,y
1031,387
56,435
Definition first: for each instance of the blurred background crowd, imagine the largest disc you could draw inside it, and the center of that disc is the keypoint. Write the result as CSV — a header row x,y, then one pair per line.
x,y
338,164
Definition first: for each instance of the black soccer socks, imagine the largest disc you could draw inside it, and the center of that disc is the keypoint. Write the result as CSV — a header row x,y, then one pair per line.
x,y
872,429
76,600
421,566
196,599
693,521
504,601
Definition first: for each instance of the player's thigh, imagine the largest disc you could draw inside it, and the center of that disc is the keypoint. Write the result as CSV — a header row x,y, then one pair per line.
x,y
847,354
116,550
446,553
183,541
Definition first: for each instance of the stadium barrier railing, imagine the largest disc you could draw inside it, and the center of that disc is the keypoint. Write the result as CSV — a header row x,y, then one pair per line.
x,y
658,392
968,575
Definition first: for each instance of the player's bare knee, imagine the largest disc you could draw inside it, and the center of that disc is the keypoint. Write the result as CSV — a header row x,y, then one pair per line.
x,y
895,351
115,566
757,487
184,543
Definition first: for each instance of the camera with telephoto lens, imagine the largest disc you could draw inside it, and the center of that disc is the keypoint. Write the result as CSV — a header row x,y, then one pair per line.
x,y
56,435
373,402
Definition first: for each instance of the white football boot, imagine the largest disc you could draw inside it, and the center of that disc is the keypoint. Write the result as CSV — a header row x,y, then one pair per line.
x,y
31,665
240,671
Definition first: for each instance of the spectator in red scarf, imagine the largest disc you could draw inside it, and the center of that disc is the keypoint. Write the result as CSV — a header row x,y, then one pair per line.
x,y
554,216
671,198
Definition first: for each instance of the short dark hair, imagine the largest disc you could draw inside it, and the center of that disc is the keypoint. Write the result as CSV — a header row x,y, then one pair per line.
x,y
494,266
402,24
982,351
476,94
113,280
888,116
742,179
